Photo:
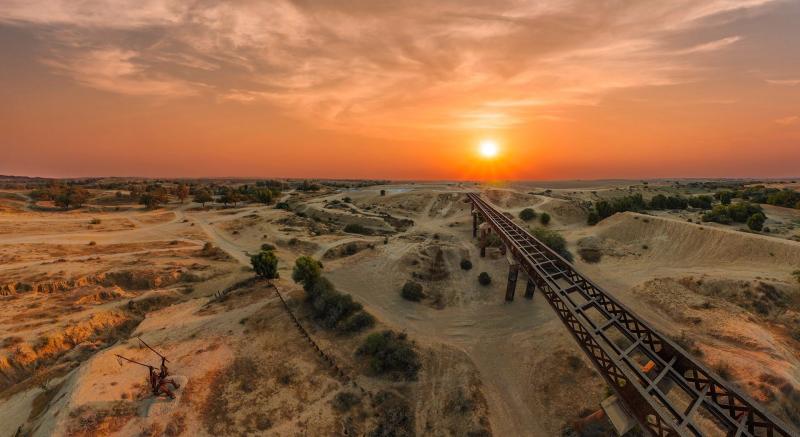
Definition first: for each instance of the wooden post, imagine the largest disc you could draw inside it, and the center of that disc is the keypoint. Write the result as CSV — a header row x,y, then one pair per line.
x,y
513,273
530,287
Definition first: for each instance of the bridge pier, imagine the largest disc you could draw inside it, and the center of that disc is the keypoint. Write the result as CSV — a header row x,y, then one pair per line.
x,y
483,242
513,273
530,287
474,224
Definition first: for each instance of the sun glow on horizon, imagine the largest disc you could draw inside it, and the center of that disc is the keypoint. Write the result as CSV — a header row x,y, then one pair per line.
x,y
488,149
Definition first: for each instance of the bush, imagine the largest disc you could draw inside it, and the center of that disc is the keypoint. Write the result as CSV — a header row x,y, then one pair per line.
x,y
412,291
335,310
307,271
554,241
544,218
282,205
357,321
737,212
94,221
355,228
466,264
267,246
527,214
484,278
265,263
756,221
391,353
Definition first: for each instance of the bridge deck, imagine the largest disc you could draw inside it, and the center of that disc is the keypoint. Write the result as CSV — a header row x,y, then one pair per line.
x,y
667,390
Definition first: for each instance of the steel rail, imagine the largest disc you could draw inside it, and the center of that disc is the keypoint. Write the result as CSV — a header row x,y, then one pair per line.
x,y
664,388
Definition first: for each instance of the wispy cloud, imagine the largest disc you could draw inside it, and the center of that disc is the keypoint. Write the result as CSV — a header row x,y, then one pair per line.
x,y
788,120
710,46
786,82
373,64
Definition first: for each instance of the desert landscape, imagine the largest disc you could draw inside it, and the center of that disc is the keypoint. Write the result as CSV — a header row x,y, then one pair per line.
x,y
394,333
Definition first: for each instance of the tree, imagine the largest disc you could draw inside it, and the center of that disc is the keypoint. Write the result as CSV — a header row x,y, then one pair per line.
x,y
724,197
527,214
265,263
202,196
71,196
182,192
484,278
264,196
756,221
153,197
307,271
544,218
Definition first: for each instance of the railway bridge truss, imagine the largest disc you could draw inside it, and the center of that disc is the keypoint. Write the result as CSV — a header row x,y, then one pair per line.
x,y
667,391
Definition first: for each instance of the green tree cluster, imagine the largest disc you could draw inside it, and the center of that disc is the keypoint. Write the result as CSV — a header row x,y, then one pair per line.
x,y
332,309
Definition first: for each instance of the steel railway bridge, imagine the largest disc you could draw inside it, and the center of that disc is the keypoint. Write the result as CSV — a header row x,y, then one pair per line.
x,y
667,391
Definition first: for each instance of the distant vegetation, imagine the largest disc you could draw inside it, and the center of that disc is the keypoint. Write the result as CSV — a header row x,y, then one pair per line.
x,y
332,309
736,212
725,211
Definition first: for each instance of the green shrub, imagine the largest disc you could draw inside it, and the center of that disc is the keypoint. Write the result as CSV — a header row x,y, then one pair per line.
x,y
391,353
527,214
357,321
590,255
756,221
306,271
267,246
544,218
265,263
554,241
412,291
282,205
484,278
466,264
335,310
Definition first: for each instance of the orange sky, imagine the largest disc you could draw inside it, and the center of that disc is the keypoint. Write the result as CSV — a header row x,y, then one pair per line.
x,y
400,90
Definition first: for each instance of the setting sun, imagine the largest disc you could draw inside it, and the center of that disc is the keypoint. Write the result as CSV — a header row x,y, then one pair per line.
x,y
488,149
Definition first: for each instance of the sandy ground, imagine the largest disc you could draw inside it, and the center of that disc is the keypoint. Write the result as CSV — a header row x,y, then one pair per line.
x,y
522,371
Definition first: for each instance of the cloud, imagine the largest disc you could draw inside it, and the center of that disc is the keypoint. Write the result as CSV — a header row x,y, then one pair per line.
x,y
788,120
786,82
117,71
710,46
366,64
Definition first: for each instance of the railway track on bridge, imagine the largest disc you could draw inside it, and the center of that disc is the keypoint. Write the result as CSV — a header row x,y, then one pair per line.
x,y
666,390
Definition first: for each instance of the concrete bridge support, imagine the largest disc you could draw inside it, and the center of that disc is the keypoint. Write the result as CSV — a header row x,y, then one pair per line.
x,y
474,224
513,274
